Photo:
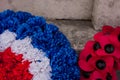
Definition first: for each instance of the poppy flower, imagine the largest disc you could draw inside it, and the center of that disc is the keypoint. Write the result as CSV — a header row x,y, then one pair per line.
x,y
108,76
107,46
101,64
93,66
100,58
83,61
107,29
92,62
92,46
115,37
88,45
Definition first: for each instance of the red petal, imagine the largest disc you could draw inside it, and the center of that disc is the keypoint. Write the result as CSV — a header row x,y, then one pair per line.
x,y
96,75
101,52
107,28
117,28
114,76
97,36
82,78
83,55
103,41
89,44
114,38
85,66
117,64
109,62
116,53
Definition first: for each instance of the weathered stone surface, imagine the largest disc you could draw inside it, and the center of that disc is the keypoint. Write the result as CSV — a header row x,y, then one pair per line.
x,y
64,9
106,12
4,4
23,5
78,32
52,9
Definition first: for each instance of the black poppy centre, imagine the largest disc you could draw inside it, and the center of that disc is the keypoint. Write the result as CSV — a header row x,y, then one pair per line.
x,y
96,46
109,48
100,64
88,57
86,74
108,77
119,37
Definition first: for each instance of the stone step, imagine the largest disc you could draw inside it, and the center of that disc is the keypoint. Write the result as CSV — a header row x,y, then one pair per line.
x,y
52,9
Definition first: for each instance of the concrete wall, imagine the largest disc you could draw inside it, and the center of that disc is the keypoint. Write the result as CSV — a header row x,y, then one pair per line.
x,y
106,12
53,9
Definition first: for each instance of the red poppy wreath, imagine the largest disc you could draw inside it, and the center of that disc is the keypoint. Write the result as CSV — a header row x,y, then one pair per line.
x,y
100,58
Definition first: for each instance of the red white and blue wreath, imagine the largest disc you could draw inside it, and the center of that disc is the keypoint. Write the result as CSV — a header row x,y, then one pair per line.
x,y
31,49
